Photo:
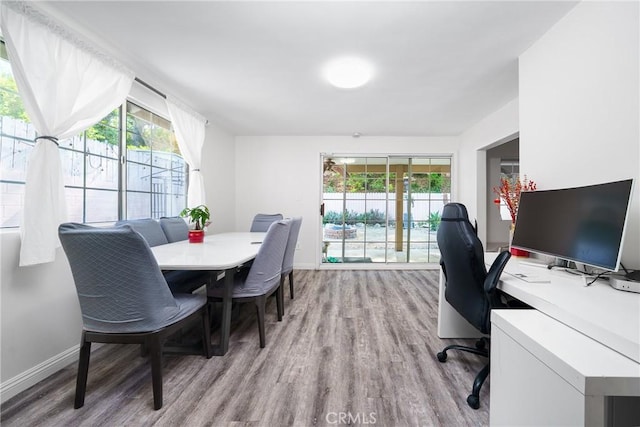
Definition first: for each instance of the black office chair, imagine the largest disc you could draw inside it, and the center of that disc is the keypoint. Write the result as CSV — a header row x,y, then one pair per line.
x,y
469,288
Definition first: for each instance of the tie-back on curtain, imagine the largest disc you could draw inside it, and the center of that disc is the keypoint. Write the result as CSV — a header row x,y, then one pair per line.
x,y
65,86
190,131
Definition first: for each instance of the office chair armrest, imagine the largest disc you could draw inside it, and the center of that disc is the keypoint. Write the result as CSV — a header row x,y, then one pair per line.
x,y
493,276
444,270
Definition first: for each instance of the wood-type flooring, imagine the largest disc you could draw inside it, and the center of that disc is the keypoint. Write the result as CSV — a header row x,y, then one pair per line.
x,y
354,347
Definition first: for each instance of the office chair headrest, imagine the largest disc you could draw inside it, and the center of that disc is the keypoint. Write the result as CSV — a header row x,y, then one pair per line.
x,y
454,212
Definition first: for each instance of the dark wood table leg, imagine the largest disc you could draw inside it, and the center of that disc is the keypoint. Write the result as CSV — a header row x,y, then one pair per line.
x,y
225,324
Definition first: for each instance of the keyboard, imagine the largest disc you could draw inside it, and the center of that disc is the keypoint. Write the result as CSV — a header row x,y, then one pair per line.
x,y
532,277
536,264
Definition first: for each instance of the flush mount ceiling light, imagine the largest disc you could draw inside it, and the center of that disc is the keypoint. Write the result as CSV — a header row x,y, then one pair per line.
x,y
348,73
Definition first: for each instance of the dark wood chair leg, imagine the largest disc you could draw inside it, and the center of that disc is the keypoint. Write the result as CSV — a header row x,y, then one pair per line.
x,y
155,356
260,308
144,351
83,372
206,332
291,284
280,299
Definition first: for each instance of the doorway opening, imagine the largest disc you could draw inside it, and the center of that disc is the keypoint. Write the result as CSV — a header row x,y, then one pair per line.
x,y
503,161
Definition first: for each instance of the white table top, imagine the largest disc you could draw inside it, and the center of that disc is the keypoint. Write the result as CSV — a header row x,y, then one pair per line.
x,y
217,252
607,315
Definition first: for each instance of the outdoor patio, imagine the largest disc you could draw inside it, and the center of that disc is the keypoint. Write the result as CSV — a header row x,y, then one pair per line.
x,y
423,247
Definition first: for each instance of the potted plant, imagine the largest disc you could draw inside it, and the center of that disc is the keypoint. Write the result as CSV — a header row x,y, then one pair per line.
x,y
198,216
509,192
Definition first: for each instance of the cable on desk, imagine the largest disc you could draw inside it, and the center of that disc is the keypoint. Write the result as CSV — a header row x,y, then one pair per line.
x,y
599,275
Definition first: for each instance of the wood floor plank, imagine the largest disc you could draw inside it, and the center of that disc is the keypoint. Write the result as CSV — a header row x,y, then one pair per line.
x,y
354,346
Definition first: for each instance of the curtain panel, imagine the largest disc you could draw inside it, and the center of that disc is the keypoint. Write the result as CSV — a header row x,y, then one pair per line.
x,y
66,86
190,132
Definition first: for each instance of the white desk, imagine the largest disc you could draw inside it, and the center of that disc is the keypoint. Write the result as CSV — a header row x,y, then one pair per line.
x,y
609,316
545,373
564,361
219,252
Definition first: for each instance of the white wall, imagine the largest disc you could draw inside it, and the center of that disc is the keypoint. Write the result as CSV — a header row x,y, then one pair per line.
x,y
40,317
493,130
579,114
218,164
282,174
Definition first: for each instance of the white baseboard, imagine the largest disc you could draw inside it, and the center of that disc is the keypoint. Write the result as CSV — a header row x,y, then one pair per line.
x,y
26,379
368,266
306,266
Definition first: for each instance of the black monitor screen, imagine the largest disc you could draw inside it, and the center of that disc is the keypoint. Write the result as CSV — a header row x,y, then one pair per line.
x,y
582,224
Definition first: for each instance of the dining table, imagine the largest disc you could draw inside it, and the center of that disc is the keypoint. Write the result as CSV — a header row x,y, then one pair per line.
x,y
218,253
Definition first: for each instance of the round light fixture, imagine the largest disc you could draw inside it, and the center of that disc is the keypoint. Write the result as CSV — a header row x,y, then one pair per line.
x,y
348,73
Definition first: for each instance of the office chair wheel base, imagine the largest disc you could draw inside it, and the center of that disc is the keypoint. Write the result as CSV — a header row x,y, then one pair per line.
x,y
473,401
442,356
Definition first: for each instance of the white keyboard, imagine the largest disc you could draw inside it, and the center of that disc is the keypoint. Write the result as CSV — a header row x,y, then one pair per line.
x,y
532,278
536,264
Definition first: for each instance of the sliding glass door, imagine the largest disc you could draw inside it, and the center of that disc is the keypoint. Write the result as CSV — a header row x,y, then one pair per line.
x,y
383,209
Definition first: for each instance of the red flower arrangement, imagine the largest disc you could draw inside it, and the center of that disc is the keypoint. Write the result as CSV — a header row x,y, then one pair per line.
x,y
510,190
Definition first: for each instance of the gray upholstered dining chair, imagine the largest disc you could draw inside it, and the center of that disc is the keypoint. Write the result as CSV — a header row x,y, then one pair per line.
x,y
149,228
124,297
287,263
175,228
159,233
262,279
261,222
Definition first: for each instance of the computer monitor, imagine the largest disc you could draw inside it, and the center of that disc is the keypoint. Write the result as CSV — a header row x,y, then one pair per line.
x,y
582,224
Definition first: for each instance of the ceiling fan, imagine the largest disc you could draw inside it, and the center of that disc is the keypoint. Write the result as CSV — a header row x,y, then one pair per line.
x,y
328,165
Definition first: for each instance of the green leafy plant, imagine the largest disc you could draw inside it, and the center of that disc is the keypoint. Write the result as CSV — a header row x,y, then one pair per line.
x,y
374,216
434,221
198,215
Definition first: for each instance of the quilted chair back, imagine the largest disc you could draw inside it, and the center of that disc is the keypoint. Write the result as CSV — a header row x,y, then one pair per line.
x,y
261,222
287,263
267,266
149,228
175,229
118,281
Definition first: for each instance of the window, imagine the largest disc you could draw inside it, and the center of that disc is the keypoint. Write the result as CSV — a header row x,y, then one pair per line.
x,y
383,209
16,140
156,172
90,164
106,178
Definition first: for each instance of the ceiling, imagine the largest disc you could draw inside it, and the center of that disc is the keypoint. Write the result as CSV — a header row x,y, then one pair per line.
x,y
255,68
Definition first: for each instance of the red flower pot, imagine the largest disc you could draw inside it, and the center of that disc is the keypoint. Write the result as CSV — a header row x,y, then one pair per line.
x,y
519,252
196,236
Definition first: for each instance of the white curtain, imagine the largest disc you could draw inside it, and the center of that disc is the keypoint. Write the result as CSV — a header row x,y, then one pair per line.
x,y
190,131
66,86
